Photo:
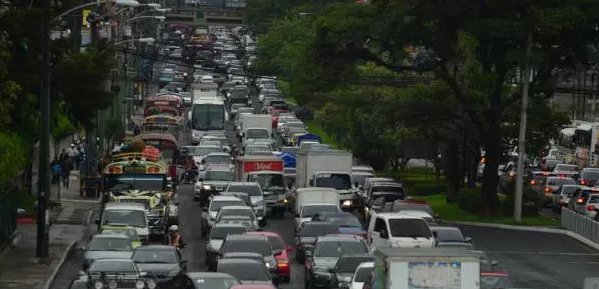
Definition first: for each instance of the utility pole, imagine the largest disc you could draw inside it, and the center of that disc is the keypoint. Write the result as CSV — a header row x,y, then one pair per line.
x,y
522,133
43,190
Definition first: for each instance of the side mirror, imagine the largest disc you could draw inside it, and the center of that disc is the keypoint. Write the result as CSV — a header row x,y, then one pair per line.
x,y
356,184
277,252
468,239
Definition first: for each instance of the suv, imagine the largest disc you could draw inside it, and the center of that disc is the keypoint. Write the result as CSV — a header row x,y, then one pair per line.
x,y
327,251
251,244
588,177
214,181
256,194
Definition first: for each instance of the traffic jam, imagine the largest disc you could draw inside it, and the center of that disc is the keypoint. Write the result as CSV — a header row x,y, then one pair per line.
x,y
224,187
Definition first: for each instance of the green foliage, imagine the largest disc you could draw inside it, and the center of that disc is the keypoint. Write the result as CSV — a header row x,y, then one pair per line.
x,y
114,128
427,189
13,156
471,200
62,126
81,79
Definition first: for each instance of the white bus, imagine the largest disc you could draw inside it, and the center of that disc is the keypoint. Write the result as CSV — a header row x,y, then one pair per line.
x,y
207,116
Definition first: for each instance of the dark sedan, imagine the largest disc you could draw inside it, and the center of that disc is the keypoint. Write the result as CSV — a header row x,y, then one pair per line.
x,y
162,262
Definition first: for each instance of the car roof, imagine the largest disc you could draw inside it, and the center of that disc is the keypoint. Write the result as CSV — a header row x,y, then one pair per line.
x,y
125,206
446,228
111,236
244,184
235,208
238,261
264,233
253,286
243,254
217,168
339,237
243,237
228,225
155,247
225,198
218,154
396,215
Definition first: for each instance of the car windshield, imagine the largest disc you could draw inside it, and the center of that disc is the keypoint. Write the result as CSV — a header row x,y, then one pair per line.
x,y
218,176
449,235
113,266
413,228
252,190
268,181
363,274
339,248
138,182
131,233
237,212
109,244
135,218
216,205
276,243
256,133
565,168
594,199
214,283
315,230
155,256
590,175
309,211
493,282
218,159
201,151
349,264
560,181
245,272
221,233
336,181
261,247
296,124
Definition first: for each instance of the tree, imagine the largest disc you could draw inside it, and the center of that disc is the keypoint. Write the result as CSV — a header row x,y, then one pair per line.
x,y
13,157
471,46
82,81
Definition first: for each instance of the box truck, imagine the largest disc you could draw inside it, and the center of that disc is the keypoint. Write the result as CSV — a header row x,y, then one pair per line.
x,y
268,172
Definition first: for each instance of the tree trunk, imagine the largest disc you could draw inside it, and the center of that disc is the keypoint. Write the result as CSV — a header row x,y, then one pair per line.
x,y
451,168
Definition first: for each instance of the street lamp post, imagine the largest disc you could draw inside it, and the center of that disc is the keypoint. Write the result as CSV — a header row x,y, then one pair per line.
x,y
43,184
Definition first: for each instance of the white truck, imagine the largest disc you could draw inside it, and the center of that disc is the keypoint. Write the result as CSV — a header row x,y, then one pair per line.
x,y
310,201
404,268
255,126
329,169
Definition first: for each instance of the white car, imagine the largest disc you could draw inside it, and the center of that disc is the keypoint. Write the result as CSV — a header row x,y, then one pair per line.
x,y
362,274
207,79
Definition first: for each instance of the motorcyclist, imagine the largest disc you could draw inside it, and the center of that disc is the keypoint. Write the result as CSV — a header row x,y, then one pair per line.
x,y
191,170
174,238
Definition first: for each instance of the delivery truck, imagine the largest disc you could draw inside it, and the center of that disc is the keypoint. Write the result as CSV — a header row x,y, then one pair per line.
x,y
326,168
255,127
268,172
442,268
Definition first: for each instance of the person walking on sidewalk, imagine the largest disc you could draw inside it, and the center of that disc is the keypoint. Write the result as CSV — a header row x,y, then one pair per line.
x,y
56,171
66,165
72,153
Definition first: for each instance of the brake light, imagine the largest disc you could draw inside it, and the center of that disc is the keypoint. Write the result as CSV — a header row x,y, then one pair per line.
x,y
583,182
283,262
547,189
591,208
533,182
580,200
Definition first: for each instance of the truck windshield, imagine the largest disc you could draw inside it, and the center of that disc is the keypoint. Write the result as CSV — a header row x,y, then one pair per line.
x,y
309,211
268,181
336,181
218,176
256,133
412,228
134,218
208,117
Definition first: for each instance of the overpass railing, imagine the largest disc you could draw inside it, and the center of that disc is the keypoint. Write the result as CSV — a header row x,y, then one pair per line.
x,y
580,224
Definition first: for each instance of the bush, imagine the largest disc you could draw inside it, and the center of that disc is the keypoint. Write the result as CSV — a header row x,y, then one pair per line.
x,y
422,189
530,203
470,200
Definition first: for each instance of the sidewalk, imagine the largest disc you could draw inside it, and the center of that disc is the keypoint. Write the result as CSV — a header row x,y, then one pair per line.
x,y
19,268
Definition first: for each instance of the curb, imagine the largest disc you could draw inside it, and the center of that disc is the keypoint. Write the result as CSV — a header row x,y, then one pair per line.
x,y
63,258
570,234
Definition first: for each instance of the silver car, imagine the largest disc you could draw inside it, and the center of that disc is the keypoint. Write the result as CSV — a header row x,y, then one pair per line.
x,y
107,246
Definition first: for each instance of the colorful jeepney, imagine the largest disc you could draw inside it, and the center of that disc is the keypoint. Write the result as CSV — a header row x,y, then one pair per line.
x,y
169,149
141,178
164,103
162,124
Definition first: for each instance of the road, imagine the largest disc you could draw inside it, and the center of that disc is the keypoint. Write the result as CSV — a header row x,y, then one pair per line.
x,y
534,260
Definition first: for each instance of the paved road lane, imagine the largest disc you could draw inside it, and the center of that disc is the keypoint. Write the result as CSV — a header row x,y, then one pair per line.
x,y
537,260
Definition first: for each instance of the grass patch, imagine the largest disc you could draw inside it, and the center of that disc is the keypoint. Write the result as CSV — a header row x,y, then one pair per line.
x,y
286,90
315,128
451,212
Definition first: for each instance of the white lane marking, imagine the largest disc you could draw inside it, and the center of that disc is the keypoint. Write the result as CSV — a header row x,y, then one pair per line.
x,y
545,253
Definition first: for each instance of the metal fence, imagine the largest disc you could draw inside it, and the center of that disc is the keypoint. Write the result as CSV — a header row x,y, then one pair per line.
x,y
580,224
8,216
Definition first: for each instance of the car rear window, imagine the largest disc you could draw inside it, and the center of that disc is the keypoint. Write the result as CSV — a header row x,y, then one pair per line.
x,y
261,247
350,264
590,175
594,199
560,181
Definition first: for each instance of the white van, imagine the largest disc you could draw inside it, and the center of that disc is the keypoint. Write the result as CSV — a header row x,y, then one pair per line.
x,y
399,230
315,195
131,214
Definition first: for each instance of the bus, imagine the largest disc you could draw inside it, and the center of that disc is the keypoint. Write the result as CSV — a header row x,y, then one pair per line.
x,y
168,146
207,116
155,103
586,143
134,171
162,124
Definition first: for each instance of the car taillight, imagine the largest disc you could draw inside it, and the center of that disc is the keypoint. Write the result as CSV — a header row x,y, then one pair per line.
x,y
547,189
533,182
590,208
580,200
283,262
583,182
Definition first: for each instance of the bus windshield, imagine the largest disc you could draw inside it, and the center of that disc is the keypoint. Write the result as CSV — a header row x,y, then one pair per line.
x,y
208,117
139,182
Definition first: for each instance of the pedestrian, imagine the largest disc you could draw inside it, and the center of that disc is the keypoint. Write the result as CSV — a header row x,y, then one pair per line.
x,y
66,166
56,171
72,153
78,157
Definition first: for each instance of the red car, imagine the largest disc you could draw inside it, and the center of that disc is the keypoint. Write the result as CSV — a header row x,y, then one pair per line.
x,y
274,115
277,243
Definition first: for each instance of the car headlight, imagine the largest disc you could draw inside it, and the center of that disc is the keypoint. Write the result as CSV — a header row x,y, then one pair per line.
x,y
98,285
112,284
268,265
140,284
206,187
347,203
345,279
